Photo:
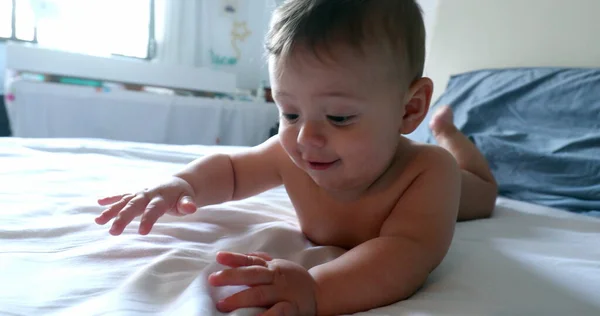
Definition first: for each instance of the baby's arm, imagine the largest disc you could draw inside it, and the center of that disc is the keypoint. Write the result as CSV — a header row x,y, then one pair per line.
x,y
208,180
222,178
413,241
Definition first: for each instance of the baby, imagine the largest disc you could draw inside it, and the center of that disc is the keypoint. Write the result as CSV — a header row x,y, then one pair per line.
x,y
347,77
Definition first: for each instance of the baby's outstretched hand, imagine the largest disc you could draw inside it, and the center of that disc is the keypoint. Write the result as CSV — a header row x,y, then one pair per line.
x,y
174,196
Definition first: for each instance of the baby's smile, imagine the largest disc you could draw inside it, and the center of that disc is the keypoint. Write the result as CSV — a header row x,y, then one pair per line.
x,y
319,165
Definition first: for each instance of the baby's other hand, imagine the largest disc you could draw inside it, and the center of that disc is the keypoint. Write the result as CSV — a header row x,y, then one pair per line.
x,y
174,196
282,286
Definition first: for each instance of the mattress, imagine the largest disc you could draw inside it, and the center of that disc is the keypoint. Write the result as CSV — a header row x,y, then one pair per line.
x,y
54,260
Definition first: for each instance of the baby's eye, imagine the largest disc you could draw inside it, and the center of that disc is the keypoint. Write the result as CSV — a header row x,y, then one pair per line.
x,y
290,117
340,120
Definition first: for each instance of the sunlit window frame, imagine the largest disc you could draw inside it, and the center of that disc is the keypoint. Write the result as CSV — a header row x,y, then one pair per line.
x,y
151,50
13,35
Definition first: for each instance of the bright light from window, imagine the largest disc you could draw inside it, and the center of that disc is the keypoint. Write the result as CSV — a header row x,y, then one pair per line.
x,y
25,23
96,27
5,18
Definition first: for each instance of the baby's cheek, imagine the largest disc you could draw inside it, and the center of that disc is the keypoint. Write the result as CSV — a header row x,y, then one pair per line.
x,y
374,153
364,153
287,138
288,141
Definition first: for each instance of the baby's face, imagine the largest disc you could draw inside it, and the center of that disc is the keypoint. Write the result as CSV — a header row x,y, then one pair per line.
x,y
340,121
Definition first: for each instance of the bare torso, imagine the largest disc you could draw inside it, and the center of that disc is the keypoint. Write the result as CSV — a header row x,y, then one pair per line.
x,y
326,220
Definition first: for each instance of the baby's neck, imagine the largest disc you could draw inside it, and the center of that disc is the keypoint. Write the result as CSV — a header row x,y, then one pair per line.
x,y
379,183
348,196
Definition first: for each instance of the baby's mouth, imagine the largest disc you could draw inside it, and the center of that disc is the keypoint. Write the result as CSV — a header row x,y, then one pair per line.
x,y
319,165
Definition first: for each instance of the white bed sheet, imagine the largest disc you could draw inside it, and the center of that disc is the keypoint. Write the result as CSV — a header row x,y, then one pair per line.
x,y
54,260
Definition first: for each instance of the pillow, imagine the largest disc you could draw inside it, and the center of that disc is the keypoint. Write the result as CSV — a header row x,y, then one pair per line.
x,y
539,128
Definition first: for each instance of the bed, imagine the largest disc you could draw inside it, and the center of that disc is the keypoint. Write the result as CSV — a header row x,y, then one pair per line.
x,y
537,255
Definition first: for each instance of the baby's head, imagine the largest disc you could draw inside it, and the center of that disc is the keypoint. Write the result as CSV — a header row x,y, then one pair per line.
x,y
347,77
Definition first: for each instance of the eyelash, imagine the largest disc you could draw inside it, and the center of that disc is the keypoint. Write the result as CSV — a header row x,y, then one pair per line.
x,y
340,120
290,117
336,120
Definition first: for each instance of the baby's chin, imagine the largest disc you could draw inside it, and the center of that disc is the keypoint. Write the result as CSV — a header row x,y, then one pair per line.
x,y
329,179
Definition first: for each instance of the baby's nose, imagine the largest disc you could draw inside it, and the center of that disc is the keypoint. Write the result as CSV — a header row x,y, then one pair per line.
x,y
311,135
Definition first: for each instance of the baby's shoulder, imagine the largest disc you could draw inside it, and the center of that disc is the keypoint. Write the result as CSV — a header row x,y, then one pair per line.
x,y
425,157
413,160
428,153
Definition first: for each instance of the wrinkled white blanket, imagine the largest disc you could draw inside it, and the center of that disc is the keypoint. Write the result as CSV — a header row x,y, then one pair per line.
x,y
54,260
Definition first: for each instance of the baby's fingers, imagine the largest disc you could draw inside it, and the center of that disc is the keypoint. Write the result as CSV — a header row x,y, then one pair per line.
x,y
155,209
110,199
113,210
282,308
134,207
186,205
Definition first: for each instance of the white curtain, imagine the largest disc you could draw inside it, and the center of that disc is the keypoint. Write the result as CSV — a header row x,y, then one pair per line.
x,y
179,32
226,35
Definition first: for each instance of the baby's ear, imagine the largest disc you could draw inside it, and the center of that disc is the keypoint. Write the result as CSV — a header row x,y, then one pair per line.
x,y
417,105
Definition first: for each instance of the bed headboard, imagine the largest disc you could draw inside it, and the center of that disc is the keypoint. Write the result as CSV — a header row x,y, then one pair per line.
x,y
477,34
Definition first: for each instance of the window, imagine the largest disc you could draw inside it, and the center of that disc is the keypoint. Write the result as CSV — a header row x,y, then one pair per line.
x,y
96,27
21,29
6,18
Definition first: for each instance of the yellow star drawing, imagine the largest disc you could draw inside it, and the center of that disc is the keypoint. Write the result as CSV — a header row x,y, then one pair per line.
x,y
239,33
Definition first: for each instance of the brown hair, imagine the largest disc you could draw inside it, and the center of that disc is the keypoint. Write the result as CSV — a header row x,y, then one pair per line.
x,y
394,26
